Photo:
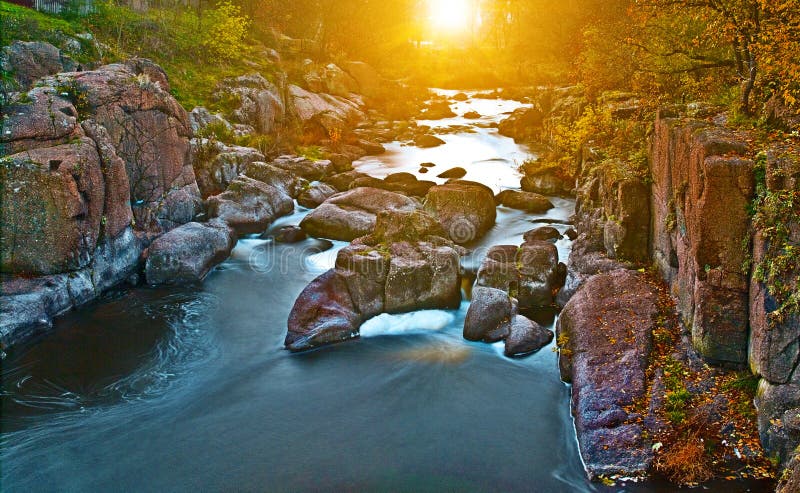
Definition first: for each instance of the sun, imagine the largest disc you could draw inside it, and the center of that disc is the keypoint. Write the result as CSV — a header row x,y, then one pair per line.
x,y
450,15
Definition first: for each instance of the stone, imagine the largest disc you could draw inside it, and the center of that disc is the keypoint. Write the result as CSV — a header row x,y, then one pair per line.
x,y
437,110
402,225
287,234
489,315
323,113
28,61
524,124
456,172
525,201
216,164
605,339
525,337
472,115
250,206
42,118
545,183
344,181
427,141
309,169
279,178
422,276
544,233
465,209
187,253
315,194
323,314
201,119
351,214
417,188
257,102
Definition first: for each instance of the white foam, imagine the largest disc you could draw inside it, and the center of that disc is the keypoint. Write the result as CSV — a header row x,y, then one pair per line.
x,y
407,323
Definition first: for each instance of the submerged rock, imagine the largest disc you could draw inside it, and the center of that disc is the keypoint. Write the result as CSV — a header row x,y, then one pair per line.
x,y
605,338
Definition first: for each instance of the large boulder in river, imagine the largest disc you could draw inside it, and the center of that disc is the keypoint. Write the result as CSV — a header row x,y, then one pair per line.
x,y
489,315
407,186
371,279
465,209
187,253
315,194
524,201
323,314
531,273
605,337
277,177
249,206
351,214
525,336
427,141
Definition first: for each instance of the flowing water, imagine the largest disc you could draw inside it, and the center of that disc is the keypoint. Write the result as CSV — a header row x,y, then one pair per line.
x,y
189,389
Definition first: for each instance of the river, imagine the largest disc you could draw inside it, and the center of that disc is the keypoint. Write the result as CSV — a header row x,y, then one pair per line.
x,y
189,389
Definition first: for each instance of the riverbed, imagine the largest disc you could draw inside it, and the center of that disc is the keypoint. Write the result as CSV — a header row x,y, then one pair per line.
x,y
190,389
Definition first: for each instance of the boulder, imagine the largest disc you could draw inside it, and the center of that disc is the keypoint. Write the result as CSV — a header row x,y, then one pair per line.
x,y
524,124
465,209
53,204
545,183
201,119
344,181
426,141
460,97
530,273
778,425
701,191
544,233
525,201
790,479
605,338
370,83
369,280
149,131
309,169
216,164
422,276
187,253
287,234
254,100
403,225
322,112
330,79
489,315
277,177
41,118
437,110
525,337
351,214
417,188
249,206
28,61
472,115
456,172
315,194
323,314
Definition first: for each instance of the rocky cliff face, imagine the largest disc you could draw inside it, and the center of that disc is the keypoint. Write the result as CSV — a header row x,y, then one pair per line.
x,y
96,164
702,188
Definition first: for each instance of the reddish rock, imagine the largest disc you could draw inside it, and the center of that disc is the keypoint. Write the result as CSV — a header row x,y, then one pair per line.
x,y
605,337
465,209
250,206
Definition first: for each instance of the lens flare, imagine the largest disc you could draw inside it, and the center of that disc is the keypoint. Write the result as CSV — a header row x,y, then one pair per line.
x,y
450,15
